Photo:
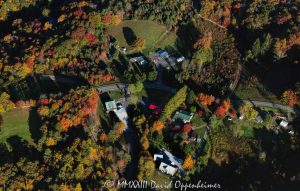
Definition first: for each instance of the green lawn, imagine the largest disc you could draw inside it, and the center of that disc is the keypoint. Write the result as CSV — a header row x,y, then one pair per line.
x,y
255,94
148,30
275,110
116,95
161,179
15,123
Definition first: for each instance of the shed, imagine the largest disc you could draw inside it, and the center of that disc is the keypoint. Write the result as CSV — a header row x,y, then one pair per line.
x,y
111,106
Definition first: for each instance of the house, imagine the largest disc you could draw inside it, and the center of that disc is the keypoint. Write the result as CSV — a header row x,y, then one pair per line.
x,y
284,124
140,60
185,116
168,163
163,53
110,106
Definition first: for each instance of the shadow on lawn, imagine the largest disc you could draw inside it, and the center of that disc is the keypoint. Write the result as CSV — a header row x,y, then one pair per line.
x,y
129,35
34,123
15,149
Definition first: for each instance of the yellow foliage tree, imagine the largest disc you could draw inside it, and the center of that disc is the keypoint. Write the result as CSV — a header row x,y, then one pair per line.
x,y
144,143
139,44
78,187
50,141
116,19
188,163
120,127
43,111
47,26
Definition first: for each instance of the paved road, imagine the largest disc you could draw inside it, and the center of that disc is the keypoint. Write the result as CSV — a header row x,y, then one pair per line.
x,y
113,87
149,85
160,86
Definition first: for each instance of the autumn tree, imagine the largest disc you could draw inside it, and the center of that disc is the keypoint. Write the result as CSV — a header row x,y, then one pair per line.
x,y
120,127
139,44
157,126
205,99
146,167
290,98
188,163
226,105
139,120
116,19
5,103
187,128
144,140
203,41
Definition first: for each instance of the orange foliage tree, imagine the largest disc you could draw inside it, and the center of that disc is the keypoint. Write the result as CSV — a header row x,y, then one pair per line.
x,y
290,97
205,99
220,112
188,163
203,41
157,126
226,105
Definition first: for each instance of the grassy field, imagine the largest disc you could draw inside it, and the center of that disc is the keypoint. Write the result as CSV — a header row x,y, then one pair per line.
x,y
161,179
15,123
152,32
255,94
275,110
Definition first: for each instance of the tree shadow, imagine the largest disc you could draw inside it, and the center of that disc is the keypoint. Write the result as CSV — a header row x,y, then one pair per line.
x,y
34,123
4,153
20,148
129,35
184,41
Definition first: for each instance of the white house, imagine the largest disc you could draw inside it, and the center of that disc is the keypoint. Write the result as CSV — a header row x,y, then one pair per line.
x,y
169,164
168,169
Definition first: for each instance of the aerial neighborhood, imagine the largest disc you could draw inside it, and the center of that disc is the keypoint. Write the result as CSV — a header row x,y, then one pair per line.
x,y
171,95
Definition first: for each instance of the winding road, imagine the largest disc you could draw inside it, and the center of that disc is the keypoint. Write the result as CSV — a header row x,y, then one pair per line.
x,y
160,86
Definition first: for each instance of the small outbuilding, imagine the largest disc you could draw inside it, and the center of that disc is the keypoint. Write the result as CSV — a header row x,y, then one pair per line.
x,y
284,124
110,106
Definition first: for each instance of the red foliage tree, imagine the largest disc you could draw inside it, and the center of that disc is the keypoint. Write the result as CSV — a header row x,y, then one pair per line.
x,y
186,128
107,18
43,101
232,113
91,39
